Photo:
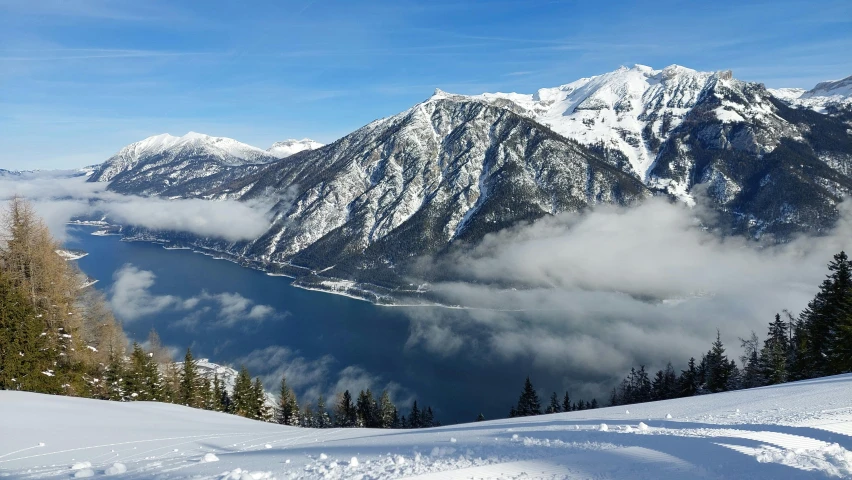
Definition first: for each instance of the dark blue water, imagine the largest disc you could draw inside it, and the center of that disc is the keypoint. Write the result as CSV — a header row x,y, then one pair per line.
x,y
329,339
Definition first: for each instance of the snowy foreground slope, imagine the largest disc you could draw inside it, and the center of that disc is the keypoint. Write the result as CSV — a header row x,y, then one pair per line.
x,y
799,430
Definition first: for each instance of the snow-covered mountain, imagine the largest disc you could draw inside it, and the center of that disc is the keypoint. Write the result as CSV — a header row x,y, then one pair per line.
x,y
630,110
454,168
800,430
825,95
291,146
154,165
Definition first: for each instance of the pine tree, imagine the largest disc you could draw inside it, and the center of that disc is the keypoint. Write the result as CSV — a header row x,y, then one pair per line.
x,y
133,377
753,370
321,417
720,371
775,353
189,381
287,408
566,403
480,418
345,414
641,386
387,411
205,394
528,403
414,418
114,378
428,418
554,406
219,394
594,403
241,397
24,351
839,348
367,415
689,380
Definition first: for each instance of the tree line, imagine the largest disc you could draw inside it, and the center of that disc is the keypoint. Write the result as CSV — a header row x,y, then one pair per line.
x,y
529,403
817,343
363,412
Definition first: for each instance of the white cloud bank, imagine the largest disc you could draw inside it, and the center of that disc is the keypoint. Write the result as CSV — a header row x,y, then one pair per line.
x,y
59,196
589,295
131,298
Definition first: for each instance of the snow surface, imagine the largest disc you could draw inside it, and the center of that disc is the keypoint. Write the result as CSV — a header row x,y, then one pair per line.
x,y
792,431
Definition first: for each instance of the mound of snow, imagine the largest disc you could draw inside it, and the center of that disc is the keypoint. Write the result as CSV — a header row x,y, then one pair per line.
x,y
209,457
116,469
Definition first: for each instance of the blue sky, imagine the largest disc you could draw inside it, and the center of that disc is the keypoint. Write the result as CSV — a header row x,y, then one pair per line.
x,y
80,79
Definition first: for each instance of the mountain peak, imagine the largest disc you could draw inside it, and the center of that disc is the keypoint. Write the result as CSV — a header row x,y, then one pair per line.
x,y
292,146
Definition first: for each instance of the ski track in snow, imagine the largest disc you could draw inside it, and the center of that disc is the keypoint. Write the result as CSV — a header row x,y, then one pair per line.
x,y
792,431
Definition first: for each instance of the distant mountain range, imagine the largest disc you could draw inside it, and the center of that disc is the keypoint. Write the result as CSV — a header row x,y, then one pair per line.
x,y
354,215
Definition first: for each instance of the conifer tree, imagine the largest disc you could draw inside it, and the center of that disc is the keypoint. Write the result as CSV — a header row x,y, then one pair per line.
x,y
260,409
753,369
189,382
566,403
218,394
366,410
387,411
428,418
554,404
114,378
528,403
135,384
288,407
24,351
594,403
480,418
414,418
720,371
689,380
775,354
345,414
241,397
321,417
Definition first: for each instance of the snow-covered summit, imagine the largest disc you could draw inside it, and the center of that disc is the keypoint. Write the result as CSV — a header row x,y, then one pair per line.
x,y
824,94
619,110
291,146
165,148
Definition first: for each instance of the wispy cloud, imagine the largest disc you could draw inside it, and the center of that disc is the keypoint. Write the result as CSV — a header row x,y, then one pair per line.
x,y
131,297
62,54
311,378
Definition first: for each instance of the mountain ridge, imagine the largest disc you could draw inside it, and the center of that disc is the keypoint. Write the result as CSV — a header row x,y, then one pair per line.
x,y
454,168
